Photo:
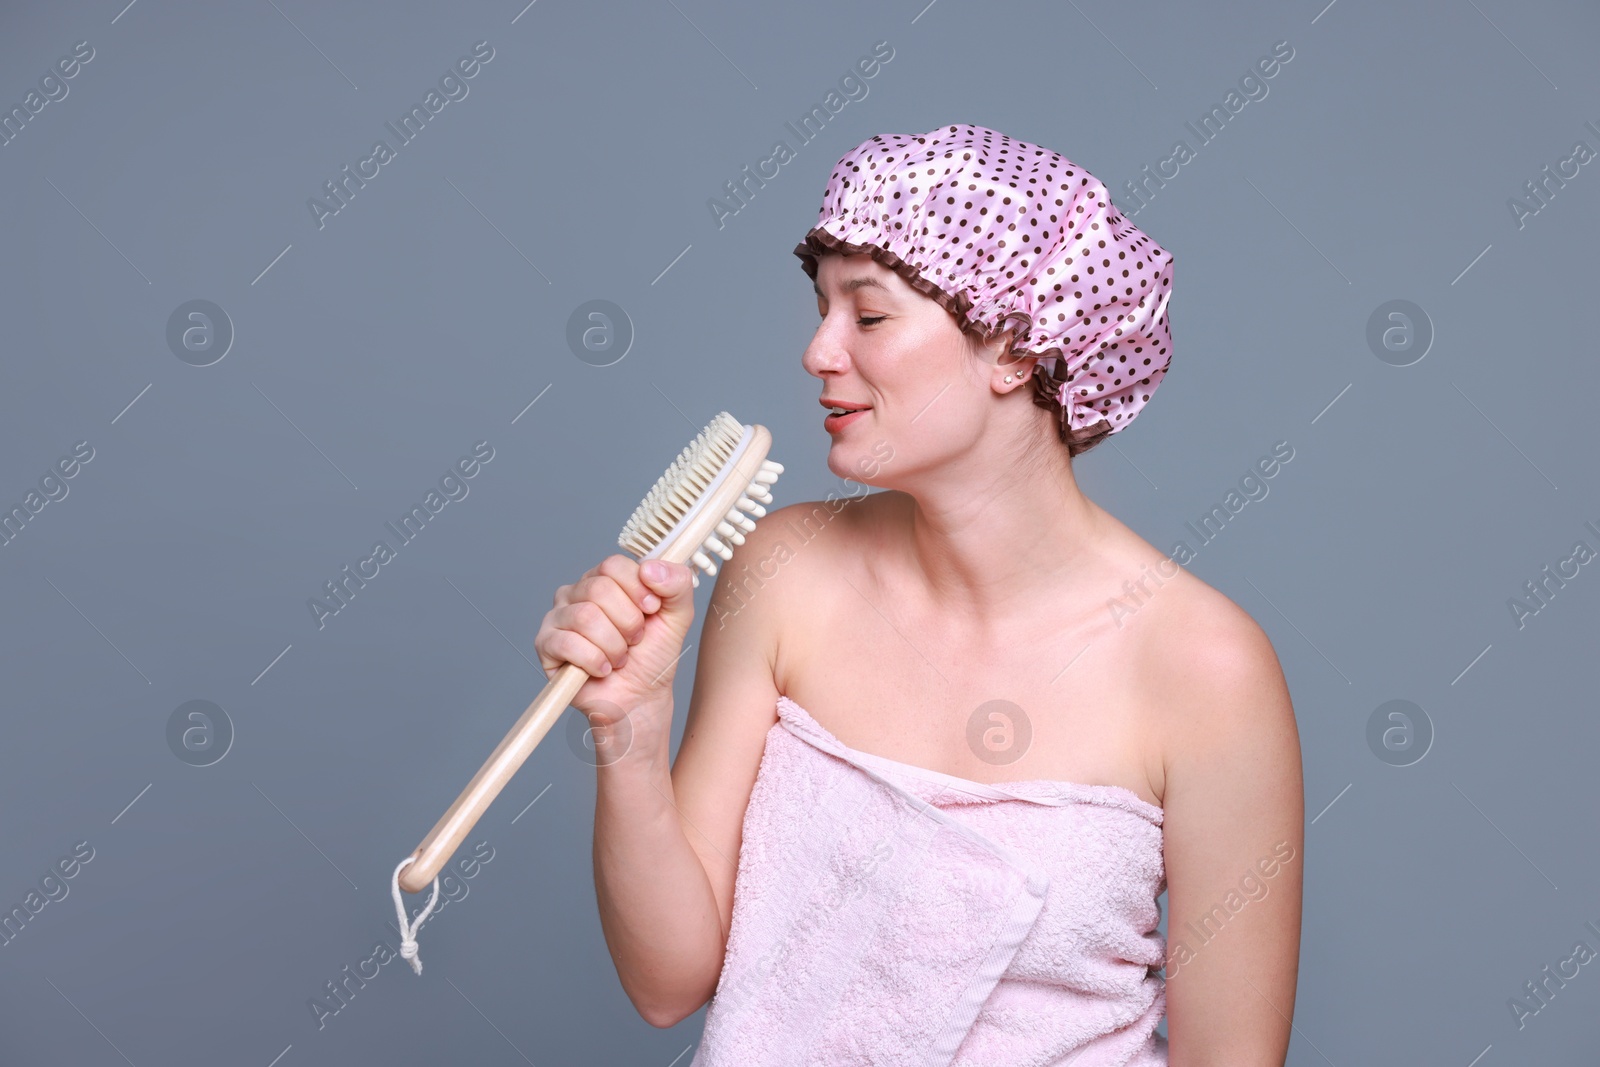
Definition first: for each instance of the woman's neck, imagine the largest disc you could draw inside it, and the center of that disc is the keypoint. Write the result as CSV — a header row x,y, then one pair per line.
x,y
986,549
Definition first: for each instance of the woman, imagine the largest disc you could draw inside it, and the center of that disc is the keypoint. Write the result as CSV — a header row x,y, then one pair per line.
x,y
948,742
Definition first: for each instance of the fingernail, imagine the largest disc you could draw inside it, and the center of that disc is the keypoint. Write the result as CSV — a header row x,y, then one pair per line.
x,y
651,602
605,669
654,570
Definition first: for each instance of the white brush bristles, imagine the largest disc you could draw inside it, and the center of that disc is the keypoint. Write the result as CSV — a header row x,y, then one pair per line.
x,y
699,468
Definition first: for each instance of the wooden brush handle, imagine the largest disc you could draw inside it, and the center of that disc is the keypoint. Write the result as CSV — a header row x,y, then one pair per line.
x,y
448,833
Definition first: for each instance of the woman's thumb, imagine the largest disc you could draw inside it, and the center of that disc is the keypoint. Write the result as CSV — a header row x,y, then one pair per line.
x,y
672,582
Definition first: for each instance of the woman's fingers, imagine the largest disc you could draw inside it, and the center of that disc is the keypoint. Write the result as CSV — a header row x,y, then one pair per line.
x,y
590,621
597,618
624,570
605,616
568,647
622,609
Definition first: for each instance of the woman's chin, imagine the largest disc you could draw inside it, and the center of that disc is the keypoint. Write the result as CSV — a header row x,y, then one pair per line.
x,y
845,465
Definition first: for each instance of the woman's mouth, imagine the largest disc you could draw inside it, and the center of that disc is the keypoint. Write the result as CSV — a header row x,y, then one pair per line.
x,y
839,418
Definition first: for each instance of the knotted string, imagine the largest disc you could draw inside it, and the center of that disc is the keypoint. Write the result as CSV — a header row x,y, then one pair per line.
x,y
408,930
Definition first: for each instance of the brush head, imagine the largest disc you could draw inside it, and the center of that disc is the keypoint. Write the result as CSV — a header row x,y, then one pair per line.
x,y
723,469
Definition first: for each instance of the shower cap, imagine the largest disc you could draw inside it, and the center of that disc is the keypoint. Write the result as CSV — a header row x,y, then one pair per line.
x,y
1005,234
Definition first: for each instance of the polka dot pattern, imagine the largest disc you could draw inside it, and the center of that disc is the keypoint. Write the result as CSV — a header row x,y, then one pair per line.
x,y
1006,234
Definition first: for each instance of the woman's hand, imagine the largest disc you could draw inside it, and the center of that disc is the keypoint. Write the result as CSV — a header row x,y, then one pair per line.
x,y
626,630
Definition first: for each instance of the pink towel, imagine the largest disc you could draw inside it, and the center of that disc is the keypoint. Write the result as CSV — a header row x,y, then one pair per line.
x,y
888,914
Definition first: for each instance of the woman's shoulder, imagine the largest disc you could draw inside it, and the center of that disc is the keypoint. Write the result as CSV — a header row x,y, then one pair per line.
x,y
1192,628
772,581
1176,618
1204,659
1206,677
793,544
819,529
1203,634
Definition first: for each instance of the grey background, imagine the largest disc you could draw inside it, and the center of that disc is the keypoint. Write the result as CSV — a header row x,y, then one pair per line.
x,y
432,310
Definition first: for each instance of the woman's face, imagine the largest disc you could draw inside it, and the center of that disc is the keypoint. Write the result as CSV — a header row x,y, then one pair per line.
x,y
884,347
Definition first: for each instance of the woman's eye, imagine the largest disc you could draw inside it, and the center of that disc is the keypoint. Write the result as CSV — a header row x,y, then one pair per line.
x,y
871,321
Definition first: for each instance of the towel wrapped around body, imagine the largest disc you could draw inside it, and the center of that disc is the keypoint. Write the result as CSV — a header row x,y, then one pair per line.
x,y
886,914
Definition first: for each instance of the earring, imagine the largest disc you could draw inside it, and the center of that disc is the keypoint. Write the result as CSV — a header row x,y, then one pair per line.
x,y
1008,377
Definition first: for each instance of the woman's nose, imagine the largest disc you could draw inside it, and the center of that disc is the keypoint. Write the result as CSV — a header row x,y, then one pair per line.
x,y
825,352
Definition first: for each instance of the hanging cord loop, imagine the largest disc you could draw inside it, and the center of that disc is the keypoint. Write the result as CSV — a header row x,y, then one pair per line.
x,y
408,930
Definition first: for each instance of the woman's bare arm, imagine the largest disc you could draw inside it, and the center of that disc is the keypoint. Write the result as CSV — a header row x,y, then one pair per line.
x,y
1234,847
667,842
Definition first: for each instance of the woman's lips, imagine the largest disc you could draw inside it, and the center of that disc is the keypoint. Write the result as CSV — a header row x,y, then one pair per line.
x,y
834,423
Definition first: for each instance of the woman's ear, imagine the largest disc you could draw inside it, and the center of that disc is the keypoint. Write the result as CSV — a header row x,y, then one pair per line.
x,y
1008,370
1012,369
996,353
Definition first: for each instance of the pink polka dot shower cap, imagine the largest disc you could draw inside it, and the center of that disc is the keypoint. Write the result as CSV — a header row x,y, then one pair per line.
x,y
1006,234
